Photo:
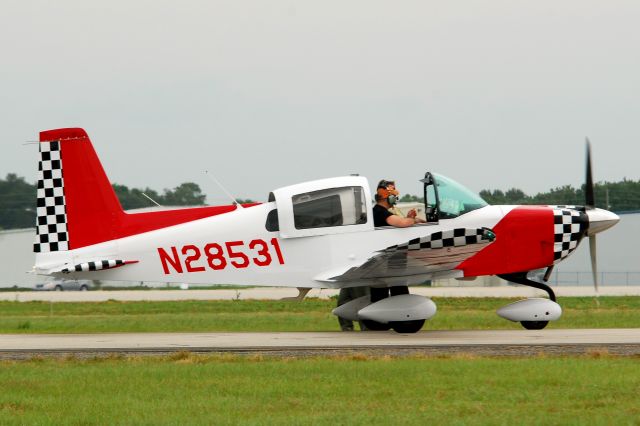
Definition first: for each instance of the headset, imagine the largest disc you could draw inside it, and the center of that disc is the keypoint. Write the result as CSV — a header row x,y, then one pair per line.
x,y
391,195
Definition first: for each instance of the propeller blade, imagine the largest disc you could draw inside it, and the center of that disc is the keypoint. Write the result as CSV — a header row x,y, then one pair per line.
x,y
594,262
590,201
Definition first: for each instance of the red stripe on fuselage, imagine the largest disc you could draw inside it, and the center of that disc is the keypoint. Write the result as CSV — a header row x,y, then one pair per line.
x,y
524,241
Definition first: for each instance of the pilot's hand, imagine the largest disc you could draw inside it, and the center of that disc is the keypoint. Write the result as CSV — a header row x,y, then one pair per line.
x,y
412,213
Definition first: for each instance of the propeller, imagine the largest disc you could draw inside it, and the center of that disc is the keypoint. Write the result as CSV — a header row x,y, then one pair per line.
x,y
599,219
590,204
594,263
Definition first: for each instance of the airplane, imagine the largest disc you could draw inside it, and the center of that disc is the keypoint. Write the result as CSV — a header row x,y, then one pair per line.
x,y
317,234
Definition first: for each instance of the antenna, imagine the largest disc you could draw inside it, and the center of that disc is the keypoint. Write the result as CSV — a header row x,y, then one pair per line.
x,y
151,199
227,193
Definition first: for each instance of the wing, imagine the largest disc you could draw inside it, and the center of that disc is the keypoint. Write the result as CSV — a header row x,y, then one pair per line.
x,y
427,257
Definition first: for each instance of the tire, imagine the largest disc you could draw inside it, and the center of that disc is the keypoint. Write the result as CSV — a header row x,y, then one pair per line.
x,y
398,290
377,294
58,288
534,325
407,326
376,326
83,287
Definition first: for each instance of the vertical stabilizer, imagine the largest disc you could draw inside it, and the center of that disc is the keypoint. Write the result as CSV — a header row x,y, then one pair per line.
x,y
76,205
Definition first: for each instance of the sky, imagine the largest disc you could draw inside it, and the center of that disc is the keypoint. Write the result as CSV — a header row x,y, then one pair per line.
x,y
494,94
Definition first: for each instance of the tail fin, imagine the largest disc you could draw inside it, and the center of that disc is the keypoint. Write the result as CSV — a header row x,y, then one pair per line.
x,y
76,205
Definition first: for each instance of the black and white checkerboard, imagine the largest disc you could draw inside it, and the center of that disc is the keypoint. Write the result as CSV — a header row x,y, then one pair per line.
x,y
51,225
450,238
569,226
94,266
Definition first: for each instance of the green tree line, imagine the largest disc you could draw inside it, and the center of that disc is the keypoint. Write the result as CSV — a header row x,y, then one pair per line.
x,y
18,198
615,196
186,194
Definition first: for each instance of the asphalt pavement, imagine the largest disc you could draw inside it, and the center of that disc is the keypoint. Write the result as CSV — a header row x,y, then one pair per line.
x,y
495,342
277,293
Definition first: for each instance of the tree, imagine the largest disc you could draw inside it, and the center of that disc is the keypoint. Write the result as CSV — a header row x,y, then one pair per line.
x,y
562,195
133,198
516,196
493,197
17,203
244,201
186,194
408,198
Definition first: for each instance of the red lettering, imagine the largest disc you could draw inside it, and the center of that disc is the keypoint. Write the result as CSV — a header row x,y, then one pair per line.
x,y
168,260
276,245
192,258
264,252
218,256
235,255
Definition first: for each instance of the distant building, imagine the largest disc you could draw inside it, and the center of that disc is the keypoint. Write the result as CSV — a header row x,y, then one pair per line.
x,y
17,258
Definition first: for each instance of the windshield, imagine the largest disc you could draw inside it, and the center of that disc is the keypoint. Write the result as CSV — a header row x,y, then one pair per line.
x,y
455,199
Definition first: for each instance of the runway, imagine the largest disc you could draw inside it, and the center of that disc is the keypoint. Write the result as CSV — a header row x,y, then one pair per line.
x,y
479,342
277,293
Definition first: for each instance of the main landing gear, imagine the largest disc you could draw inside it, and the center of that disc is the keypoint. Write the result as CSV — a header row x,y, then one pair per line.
x,y
389,308
521,278
411,326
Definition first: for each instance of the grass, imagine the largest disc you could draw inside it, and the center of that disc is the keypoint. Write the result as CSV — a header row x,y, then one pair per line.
x,y
309,315
191,389
185,388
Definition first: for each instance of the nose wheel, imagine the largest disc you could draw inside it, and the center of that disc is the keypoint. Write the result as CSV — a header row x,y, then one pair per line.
x,y
534,325
407,326
521,278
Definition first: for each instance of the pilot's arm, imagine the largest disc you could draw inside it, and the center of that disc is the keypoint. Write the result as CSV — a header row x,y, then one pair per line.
x,y
414,215
401,222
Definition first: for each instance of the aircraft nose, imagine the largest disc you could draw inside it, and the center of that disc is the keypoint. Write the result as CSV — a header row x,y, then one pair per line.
x,y
600,220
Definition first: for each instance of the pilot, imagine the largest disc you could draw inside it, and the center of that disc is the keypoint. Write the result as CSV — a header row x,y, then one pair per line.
x,y
347,295
384,212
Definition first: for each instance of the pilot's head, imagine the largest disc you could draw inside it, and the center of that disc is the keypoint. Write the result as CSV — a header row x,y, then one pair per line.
x,y
387,191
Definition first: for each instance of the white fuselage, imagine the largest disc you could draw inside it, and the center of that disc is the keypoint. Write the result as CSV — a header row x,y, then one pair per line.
x,y
212,251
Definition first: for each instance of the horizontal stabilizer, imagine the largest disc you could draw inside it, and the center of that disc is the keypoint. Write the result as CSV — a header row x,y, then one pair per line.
x,y
94,265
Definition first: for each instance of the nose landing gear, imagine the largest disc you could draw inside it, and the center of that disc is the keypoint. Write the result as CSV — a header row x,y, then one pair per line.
x,y
536,310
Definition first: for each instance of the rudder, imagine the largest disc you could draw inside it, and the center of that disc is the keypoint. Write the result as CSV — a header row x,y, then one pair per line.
x,y
76,205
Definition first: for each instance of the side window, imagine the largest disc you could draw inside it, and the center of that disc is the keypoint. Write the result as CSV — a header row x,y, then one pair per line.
x,y
329,207
272,224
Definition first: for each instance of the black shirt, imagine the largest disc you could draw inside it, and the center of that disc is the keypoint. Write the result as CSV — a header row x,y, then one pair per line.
x,y
380,215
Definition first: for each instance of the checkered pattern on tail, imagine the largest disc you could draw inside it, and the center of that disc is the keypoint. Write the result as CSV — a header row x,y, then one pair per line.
x,y
569,227
451,238
94,266
51,225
